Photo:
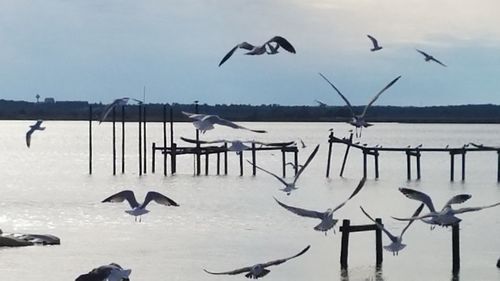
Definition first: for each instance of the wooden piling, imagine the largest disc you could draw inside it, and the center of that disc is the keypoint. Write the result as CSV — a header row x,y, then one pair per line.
x,y
418,165
498,165
455,230
114,140
283,161
173,158
123,139
90,143
153,158
296,161
198,157
171,126
408,165
463,165
225,158
364,163
206,163
145,143
140,140
378,244
344,250
241,163
330,144
345,155
376,164
254,168
218,163
452,165
164,139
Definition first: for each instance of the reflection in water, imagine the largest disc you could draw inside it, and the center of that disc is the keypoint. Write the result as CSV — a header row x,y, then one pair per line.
x,y
377,275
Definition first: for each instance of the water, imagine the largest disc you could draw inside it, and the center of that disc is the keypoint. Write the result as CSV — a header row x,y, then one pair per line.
x,y
227,222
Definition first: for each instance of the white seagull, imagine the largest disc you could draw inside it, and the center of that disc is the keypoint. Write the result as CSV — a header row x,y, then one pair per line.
x,y
204,122
290,186
446,216
429,57
115,103
266,48
137,210
358,121
111,272
32,129
238,145
326,217
259,270
376,46
396,241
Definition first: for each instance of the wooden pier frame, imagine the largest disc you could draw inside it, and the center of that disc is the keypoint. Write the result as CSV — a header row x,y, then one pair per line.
x,y
413,153
347,229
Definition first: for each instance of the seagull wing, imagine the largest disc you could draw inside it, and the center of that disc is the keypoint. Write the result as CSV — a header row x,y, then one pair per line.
x,y
311,156
274,143
423,53
416,218
457,199
415,214
342,96
378,95
217,120
356,190
280,261
274,175
420,196
374,41
38,123
473,209
108,109
203,142
301,212
158,198
243,45
195,116
380,226
283,43
434,59
28,136
122,196
232,272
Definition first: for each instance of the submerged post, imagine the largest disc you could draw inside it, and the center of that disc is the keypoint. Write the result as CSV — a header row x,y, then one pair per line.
x,y
455,229
452,165
376,163
345,155
198,156
408,165
254,169
283,161
206,163
123,139
171,126
364,163
463,165
145,145
153,158
241,163
164,139
90,141
296,160
225,158
218,163
173,158
114,140
418,165
140,140
378,244
330,143
345,244
498,165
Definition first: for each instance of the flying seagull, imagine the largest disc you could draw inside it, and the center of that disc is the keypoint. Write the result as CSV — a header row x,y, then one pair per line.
x,y
396,241
270,47
376,46
358,121
238,145
326,217
111,272
429,57
115,103
32,129
290,186
259,270
137,210
302,143
205,122
320,103
446,216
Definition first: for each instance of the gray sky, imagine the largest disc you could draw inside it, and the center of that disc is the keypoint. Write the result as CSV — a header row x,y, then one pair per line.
x,y
98,50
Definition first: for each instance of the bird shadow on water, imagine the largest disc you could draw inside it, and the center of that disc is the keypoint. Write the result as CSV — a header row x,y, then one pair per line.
x,y
375,275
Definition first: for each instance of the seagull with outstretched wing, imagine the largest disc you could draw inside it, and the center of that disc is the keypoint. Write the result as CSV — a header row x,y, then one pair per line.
x,y
204,122
33,128
258,270
376,46
137,210
428,57
326,217
270,47
114,104
111,272
238,145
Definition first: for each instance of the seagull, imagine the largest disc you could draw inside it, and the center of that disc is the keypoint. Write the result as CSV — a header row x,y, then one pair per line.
x,y
358,121
302,143
396,241
326,217
260,50
111,272
205,122
137,210
32,129
320,103
290,186
259,270
238,145
115,103
429,57
446,216
376,46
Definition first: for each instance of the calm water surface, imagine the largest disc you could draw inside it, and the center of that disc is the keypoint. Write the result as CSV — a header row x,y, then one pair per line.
x,y
226,222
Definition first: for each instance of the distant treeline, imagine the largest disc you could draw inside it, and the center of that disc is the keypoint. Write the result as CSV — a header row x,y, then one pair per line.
x,y
79,110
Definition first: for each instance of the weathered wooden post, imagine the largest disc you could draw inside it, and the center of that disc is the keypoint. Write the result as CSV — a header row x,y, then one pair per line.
x,y
345,155
452,165
206,162
455,230
296,160
254,169
375,154
241,162
330,144
498,165
90,142
408,165
225,158
140,140
198,157
364,163
344,250
145,145
123,139
283,161
114,140
153,158
418,165
164,139
218,163
173,158
463,165
378,244
171,126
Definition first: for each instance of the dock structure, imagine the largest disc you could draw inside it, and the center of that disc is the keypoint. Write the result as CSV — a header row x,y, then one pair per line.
x,y
411,152
347,229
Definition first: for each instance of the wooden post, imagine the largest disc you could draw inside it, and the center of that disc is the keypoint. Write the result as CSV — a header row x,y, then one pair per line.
x,y
218,163
345,244
145,145
90,143
418,165
463,165
198,156
455,229
296,160
164,139
345,155
140,140
254,169
330,144
283,161
376,164
241,162
114,140
452,165
153,158
206,163
123,139
378,244
225,158
173,158
498,165
364,163
171,126
408,165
